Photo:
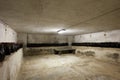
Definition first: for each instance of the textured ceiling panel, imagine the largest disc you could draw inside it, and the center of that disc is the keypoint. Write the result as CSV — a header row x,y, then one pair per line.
x,y
49,16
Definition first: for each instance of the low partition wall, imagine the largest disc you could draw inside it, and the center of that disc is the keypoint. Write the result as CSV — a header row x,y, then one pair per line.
x,y
103,51
44,50
106,54
8,48
10,67
38,51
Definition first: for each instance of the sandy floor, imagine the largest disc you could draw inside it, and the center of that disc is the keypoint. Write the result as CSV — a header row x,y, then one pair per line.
x,y
68,67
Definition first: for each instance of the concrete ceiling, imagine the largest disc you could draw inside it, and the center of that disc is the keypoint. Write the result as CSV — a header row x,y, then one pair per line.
x,y
49,16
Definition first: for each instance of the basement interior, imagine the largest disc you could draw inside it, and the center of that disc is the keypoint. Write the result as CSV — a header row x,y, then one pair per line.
x,y
59,39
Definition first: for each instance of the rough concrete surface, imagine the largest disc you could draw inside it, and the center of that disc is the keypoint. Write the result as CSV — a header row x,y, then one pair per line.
x,y
68,67
49,16
106,54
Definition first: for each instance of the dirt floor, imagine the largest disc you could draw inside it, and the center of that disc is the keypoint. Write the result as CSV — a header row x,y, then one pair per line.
x,y
68,67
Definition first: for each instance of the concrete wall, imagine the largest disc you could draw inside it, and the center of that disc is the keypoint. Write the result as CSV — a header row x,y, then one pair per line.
x,y
39,38
7,34
10,67
22,38
109,36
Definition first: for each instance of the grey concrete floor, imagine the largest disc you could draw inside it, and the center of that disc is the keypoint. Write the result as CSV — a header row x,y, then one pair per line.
x,y
67,67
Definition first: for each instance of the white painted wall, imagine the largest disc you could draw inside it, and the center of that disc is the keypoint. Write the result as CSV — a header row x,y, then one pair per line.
x,y
109,36
7,34
2,32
